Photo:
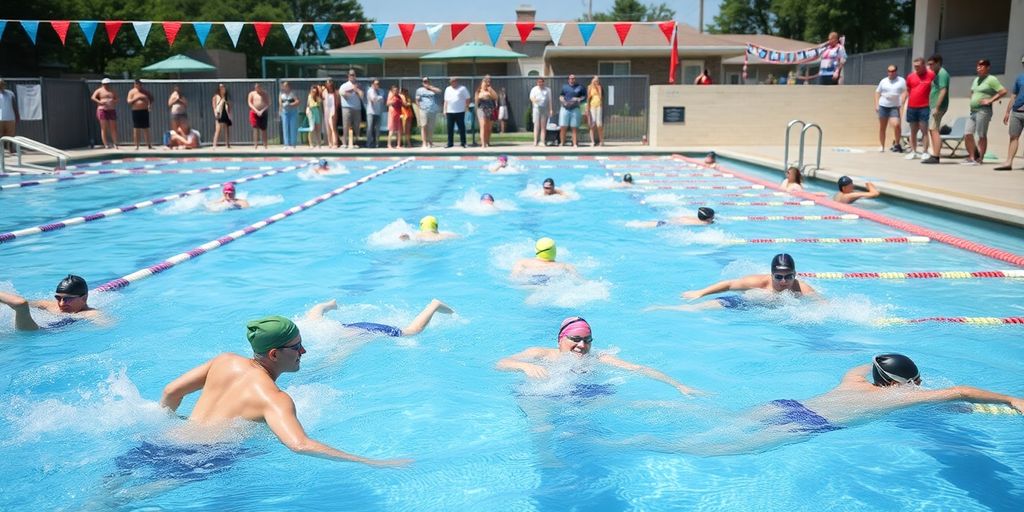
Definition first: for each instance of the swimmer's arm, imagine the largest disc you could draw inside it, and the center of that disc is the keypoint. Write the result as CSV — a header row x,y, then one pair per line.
x,y
190,382
243,203
871,193
856,374
22,313
808,291
969,394
648,372
517,362
518,268
97,317
719,287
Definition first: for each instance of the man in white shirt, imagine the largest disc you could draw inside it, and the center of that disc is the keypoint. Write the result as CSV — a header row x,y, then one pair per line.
x,y
8,113
889,95
456,102
543,109
351,107
375,109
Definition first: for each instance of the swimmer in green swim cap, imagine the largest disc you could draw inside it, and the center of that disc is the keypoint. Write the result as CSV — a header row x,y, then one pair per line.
x,y
543,263
70,301
429,232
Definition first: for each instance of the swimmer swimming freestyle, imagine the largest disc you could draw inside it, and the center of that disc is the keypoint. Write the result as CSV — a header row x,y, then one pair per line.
x,y
543,264
70,300
415,327
705,216
429,231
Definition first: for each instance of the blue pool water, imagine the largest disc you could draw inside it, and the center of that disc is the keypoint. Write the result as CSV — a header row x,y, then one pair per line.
x,y
81,401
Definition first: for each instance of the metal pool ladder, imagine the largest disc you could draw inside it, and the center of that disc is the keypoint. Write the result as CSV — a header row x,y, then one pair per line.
x,y
20,142
803,133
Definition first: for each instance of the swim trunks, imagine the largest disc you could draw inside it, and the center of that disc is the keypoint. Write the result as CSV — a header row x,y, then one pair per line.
x,y
106,115
177,462
140,119
258,121
660,223
538,279
63,322
579,391
373,328
733,302
798,418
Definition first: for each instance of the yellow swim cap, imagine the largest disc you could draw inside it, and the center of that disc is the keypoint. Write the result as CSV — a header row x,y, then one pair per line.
x,y
428,223
546,249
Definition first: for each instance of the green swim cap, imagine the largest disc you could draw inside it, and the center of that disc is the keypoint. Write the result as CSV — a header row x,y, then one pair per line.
x,y
270,332
428,223
546,249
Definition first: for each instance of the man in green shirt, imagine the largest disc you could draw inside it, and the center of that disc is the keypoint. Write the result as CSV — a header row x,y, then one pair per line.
x,y
938,102
985,90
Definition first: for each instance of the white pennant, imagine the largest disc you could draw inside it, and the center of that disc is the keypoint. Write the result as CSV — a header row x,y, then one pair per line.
x,y
142,30
293,29
556,29
234,29
434,30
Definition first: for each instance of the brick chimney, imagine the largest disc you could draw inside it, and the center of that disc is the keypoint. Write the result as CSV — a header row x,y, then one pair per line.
x,y
526,13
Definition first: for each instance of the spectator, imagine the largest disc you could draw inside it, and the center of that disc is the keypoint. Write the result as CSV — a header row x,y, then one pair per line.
x,y
407,116
9,115
833,58
259,103
139,100
426,99
889,95
486,110
222,115
331,113
595,99
569,116
456,102
183,136
351,107
179,107
394,115
704,78
105,99
919,86
1015,118
938,102
314,115
503,110
288,105
543,109
794,181
375,110
985,90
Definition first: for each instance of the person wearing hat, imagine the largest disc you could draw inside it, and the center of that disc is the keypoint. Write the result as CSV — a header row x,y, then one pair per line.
x,y
426,99
985,90
9,115
70,302
228,198
105,99
235,388
1014,117
846,194
456,103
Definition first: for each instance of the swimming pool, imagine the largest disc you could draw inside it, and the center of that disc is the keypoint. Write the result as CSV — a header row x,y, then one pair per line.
x,y
82,399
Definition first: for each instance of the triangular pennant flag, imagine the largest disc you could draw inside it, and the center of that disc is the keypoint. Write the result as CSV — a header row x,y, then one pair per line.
x,y
88,28
202,31
433,31
406,30
380,30
61,28
586,30
322,31
142,30
524,30
666,28
293,30
262,29
494,32
457,29
171,29
351,31
556,29
622,29
31,28
112,27
234,29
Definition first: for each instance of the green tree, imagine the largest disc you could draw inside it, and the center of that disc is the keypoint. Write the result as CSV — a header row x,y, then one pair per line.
x,y
659,12
743,17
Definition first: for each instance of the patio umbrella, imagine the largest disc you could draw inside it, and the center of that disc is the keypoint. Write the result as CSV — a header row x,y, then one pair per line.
x,y
178,64
472,52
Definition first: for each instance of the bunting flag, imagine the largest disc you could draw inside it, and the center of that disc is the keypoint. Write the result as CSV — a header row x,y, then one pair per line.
x,y
142,30
293,30
202,31
406,29
61,28
234,29
494,32
524,29
31,28
586,30
3,26
322,31
457,29
351,31
669,29
171,29
433,31
380,30
785,57
262,29
622,29
556,29
88,28
112,27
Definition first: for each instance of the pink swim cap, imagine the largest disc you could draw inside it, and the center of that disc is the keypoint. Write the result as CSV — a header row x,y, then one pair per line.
x,y
574,326
228,187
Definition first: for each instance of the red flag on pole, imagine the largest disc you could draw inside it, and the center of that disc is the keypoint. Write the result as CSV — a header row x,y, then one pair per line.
x,y
262,29
623,30
61,28
457,29
406,29
524,29
112,28
673,63
171,29
351,31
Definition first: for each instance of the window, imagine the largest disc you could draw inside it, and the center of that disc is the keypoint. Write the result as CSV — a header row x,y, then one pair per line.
x,y
533,73
613,67
433,69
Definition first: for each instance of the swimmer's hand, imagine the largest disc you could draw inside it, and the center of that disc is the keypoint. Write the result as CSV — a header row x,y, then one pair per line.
x,y
390,463
691,294
535,371
1017,403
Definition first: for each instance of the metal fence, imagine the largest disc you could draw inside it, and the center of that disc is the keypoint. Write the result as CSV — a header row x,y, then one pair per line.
x,y
69,117
869,68
960,55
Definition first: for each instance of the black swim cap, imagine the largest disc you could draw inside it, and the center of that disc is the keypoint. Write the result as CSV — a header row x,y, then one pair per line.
x,y
549,181
844,181
783,262
627,178
889,369
705,213
73,285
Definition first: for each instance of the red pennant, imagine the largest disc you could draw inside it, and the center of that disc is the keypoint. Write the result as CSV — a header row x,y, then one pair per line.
x,y
262,29
112,28
171,29
524,30
61,28
666,28
457,29
623,30
351,30
406,29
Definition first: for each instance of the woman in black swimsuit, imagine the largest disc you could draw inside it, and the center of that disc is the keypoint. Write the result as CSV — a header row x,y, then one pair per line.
x,y
486,106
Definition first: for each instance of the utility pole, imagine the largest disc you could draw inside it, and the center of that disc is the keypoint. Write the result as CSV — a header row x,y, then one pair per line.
x,y
700,22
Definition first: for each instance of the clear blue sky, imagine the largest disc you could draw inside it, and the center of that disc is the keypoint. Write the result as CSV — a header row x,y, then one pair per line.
x,y
426,11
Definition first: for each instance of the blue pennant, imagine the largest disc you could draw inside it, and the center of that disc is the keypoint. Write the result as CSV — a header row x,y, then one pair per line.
x,y
587,30
381,31
31,28
494,31
322,31
202,31
88,28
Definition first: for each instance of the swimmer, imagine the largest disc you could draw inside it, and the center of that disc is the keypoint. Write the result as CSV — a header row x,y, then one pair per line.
x,y
322,167
705,216
575,340
235,387
70,301
543,264
793,181
428,232
781,279
711,160
487,199
846,195
895,384
415,327
501,163
550,190
627,181
228,197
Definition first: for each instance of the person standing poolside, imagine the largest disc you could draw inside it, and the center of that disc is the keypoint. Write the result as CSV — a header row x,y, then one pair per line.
x,y
314,116
407,115
704,78
575,339
139,100
331,113
595,118
456,103
985,90
105,99
415,327
259,104
351,107
234,387
288,106
543,109
573,94
833,59
70,301
543,265
705,217
179,107
1014,117
938,102
376,110
221,103
394,103
889,95
919,86
9,115
486,110
426,98
847,195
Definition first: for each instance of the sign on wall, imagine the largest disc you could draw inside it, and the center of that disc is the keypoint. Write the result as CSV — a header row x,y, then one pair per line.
x,y
673,115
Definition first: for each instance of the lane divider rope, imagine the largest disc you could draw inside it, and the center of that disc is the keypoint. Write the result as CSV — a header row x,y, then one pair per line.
x,y
762,218
845,240
980,274
973,320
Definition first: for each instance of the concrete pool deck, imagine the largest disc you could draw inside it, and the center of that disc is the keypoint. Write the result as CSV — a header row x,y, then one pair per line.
x,y
976,191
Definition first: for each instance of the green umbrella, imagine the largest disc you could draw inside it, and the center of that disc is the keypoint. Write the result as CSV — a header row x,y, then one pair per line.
x,y
179,64
473,51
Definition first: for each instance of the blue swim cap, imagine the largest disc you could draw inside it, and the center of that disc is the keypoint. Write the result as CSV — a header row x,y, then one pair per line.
x,y
844,181
323,162
487,197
